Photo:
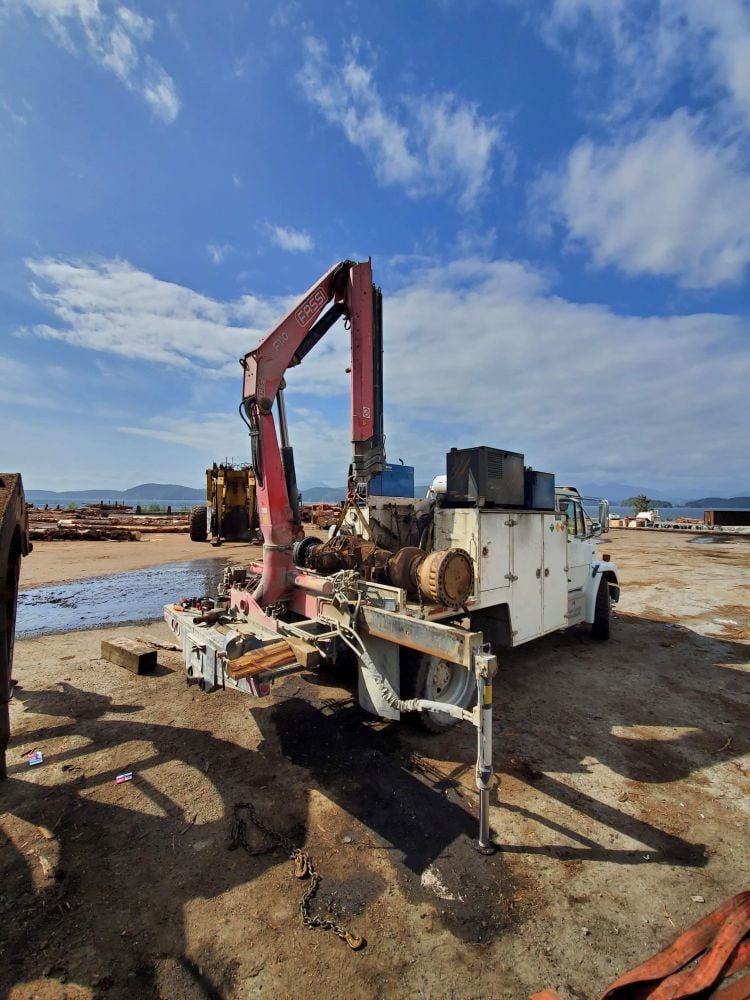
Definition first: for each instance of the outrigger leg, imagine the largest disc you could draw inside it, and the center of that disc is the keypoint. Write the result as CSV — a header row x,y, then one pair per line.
x,y
485,666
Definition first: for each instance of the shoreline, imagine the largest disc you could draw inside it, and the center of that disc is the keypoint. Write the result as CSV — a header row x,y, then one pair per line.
x,y
69,562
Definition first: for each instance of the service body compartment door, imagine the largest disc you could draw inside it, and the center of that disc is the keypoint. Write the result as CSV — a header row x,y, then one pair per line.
x,y
527,548
554,574
494,556
457,528
485,535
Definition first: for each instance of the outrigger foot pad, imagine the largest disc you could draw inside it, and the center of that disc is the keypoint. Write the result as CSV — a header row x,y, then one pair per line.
x,y
488,848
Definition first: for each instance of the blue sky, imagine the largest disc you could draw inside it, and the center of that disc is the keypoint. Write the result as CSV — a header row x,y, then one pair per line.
x,y
556,198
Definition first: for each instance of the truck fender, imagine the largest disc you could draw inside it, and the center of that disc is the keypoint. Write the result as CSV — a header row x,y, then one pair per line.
x,y
599,569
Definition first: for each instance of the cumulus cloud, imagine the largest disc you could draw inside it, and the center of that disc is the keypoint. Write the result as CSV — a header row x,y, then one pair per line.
x,y
115,37
291,240
428,144
657,193
572,385
663,203
112,306
577,387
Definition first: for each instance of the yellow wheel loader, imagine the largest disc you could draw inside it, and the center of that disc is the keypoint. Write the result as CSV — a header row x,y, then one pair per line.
x,y
229,514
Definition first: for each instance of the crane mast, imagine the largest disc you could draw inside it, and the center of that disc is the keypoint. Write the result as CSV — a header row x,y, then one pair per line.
x,y
345,291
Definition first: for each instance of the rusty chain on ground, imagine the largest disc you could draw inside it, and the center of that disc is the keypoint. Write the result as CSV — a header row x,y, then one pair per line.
x,y
303,868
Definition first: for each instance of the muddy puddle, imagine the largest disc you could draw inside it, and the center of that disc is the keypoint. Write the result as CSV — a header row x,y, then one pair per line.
x,y
717,539
120,599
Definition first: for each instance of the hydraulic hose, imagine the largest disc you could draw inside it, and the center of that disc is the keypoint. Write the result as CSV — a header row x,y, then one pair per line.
x,y
389,695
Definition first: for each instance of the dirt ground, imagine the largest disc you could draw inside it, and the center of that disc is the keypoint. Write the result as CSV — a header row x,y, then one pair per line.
x,y
622,810
58,562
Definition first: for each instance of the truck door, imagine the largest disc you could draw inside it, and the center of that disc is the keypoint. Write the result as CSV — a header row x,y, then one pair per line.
x,y
579,545
554,572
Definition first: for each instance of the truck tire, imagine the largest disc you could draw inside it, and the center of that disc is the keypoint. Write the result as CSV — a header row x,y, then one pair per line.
x,y
424,676
198,524
602,608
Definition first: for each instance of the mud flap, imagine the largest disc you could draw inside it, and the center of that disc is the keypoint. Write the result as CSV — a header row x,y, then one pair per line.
x,y
386,656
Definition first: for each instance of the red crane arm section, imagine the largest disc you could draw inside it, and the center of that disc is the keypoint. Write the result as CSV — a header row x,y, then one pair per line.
x,y
349,286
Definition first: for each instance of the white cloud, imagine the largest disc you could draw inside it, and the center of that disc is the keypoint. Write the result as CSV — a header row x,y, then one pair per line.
x,y
664,203
657,192
15,113
111,306
427,144
476,351
192,430
218,251
647,46
571,385
321,448
291,240
114,37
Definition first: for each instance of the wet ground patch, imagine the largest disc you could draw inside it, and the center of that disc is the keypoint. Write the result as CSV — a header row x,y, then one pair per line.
x,y
137,596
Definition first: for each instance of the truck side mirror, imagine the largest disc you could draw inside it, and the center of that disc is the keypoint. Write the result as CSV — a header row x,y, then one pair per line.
x,y
603,516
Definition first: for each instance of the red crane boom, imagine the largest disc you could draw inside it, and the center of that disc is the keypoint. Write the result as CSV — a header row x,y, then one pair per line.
x,y
345,291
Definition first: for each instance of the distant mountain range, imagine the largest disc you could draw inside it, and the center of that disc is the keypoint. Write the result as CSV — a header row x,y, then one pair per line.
x,y
614,491
165,493
146,492
720,502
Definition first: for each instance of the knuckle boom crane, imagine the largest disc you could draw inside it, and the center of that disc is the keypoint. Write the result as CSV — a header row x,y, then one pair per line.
x,y
484,559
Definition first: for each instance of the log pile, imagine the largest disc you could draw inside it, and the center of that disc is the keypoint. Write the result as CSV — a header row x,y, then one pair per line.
x,y
320,515
53,533
100,523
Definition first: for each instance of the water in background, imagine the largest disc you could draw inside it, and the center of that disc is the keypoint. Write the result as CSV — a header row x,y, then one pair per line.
x,y
136,596
667,513
144,502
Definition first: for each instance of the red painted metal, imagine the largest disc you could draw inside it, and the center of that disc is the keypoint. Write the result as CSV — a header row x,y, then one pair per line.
x,y
360,306
305,603
350,284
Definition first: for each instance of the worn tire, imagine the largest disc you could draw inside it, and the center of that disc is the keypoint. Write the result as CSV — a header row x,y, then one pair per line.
x,y
424,676
602,609
198,524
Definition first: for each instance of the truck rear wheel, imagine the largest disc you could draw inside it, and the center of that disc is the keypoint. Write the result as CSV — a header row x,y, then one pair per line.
x,y
602,608
424,676
198,524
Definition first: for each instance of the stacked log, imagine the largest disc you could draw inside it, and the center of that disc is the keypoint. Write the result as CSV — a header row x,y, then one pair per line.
x,y
75,533
101,524
320,515
132,524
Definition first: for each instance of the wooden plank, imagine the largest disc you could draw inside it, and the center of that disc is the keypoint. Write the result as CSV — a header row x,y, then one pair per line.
x,y
253,671
307,655
273,654
129,653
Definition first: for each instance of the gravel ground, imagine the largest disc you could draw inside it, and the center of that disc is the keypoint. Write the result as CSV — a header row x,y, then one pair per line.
x,y
622,812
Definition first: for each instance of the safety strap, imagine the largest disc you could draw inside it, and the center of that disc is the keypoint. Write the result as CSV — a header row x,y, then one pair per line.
x,y
724,937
